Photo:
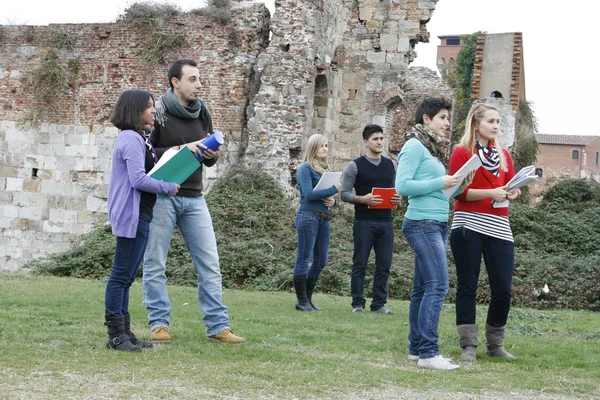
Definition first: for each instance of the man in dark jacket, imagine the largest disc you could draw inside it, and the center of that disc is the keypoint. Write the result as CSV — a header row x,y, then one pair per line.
x,y
182,119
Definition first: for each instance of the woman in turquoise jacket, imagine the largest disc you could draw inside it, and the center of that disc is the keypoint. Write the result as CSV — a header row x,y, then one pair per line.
x,y
421,176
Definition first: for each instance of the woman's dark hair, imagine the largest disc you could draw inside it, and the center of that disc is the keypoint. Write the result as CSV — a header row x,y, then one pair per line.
x,y
128,110
431,106
176,69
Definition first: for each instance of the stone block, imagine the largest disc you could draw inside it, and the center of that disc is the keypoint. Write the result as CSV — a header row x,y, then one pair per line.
x,y
43,137
379,120
54,227
74,140
9,211
353,81
14,184
95,204
44,175
8,172
366,13
75,150
397,60
19,223
21,199
32,213
36,225
388,41
86,217
33,161
375,57
31,185
374,84
38,200
373,26
403,45
49,162
56,138
6,197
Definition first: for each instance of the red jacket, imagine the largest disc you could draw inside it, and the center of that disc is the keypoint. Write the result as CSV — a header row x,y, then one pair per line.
x,y
483,179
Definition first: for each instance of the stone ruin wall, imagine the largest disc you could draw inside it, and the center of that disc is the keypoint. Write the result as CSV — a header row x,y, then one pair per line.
x,y
331,67
350,60
54,177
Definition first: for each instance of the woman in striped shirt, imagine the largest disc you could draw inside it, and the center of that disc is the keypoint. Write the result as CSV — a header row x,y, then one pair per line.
x,y
480,229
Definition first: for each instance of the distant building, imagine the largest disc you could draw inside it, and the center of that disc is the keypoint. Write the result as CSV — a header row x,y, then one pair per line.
x,y
447,52
574,156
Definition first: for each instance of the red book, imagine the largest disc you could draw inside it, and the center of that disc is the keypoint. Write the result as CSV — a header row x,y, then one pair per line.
x,y
386,195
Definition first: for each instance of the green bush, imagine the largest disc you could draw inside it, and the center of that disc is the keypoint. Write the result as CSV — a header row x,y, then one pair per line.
x,y
556,243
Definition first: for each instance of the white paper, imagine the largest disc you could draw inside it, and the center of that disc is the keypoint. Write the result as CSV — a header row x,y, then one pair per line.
x,y
470,166
522,178
328,180
165,157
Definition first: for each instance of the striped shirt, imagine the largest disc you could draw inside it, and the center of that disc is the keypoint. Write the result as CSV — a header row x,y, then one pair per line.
x,y
487,224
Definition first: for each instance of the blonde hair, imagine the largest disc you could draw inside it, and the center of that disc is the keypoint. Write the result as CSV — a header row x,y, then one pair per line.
x,y
470,136
311,151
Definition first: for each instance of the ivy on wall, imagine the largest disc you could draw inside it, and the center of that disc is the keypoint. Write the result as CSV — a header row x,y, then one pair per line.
x,y
460,81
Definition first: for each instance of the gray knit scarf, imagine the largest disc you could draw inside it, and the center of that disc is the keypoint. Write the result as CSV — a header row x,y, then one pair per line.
x,y
171,104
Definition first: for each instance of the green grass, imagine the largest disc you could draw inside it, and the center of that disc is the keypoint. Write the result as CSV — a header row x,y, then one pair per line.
x,y
52,347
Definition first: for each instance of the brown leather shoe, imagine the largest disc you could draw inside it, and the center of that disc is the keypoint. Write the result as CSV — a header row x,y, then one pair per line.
x,y
161,335
227,336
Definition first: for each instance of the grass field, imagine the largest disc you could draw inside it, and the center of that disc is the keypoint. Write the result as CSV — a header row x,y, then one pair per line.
x,y
52,347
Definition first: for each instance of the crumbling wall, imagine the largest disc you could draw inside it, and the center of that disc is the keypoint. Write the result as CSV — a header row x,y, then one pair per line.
x,y
56,150
419,83
339,83
332,67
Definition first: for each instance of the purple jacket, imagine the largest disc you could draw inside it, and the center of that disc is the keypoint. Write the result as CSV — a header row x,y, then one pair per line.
x,y
127,180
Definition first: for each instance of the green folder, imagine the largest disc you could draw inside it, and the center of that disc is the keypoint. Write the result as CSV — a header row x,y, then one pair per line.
x,y
177,168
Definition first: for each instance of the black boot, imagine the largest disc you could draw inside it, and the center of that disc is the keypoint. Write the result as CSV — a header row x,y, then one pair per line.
x,y
311,282
135,341
117,338
300,285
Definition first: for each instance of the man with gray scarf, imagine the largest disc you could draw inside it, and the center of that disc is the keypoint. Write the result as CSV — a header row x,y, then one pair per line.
x,y
182,119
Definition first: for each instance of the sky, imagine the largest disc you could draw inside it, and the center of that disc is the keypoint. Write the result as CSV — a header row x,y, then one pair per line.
x,y
557,45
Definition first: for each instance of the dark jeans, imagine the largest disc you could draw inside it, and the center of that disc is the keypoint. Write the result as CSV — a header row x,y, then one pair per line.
x,y
313,241
377,235
128,257
499,258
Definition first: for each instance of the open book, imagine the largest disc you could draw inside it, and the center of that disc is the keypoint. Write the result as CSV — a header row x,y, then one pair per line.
x,y
470,166
522,178
175,166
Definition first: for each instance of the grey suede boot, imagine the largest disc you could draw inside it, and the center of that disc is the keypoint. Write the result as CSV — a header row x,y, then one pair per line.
x,y
494,338
468,341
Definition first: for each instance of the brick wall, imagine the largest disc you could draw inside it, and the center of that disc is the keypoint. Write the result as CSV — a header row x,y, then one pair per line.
x,y
54,176
556,162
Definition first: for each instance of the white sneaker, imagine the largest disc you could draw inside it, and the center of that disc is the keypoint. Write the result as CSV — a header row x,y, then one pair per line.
x,y
412,357
438,362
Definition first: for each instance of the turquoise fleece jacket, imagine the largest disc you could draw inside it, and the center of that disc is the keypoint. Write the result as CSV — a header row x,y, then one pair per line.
x,y
419,177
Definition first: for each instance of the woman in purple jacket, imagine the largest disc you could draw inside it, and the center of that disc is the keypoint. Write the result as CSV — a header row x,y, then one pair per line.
x,y
131,197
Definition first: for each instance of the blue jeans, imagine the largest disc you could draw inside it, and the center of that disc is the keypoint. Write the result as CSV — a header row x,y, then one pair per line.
x,y
191,215
128,257
428,239
377,235
499,257
313,241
